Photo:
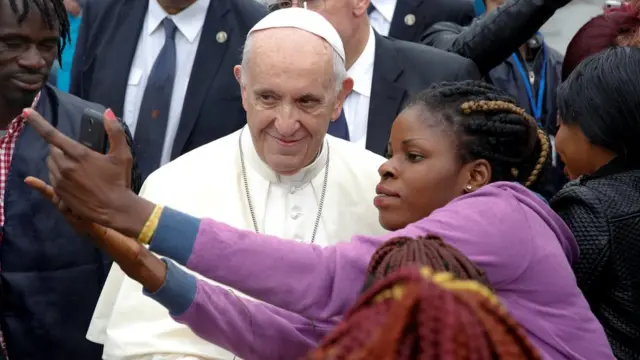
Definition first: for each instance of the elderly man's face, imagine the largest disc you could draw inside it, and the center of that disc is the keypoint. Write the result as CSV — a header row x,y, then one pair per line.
x,y
290,96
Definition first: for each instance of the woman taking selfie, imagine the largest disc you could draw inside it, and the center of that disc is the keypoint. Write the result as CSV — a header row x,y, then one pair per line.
x,y
461,155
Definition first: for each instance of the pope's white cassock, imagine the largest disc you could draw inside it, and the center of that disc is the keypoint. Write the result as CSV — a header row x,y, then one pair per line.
x,y
210,182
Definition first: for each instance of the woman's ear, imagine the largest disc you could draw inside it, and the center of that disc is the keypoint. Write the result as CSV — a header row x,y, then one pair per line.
x,y
479,174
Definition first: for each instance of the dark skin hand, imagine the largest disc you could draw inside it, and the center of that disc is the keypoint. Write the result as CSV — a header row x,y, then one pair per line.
x,y
92,185
134,259
90,189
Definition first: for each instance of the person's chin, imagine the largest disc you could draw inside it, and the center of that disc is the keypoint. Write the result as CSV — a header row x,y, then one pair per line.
x,y
20,98
284,165
23,92
390,221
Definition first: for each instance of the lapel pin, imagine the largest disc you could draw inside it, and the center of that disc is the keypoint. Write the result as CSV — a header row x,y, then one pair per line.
x,y
221,37
410,19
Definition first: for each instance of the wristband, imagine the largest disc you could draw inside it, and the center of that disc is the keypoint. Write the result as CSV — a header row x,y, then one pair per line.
x,y
150,226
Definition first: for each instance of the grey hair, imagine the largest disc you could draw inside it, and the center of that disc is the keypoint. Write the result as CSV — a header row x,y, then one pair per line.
x,y
339,68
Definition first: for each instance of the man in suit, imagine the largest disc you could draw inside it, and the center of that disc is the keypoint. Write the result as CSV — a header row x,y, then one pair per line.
x,y
409,19
386,72
165,67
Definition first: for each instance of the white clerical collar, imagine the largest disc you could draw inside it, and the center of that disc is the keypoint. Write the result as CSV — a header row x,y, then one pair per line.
x,y
362,69
303,176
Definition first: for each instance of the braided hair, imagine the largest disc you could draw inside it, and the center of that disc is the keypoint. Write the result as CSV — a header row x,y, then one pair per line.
x,y
429,251
418,314
489,126
53,12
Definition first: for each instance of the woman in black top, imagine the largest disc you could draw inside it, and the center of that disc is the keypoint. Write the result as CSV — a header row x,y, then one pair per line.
x,y
598,139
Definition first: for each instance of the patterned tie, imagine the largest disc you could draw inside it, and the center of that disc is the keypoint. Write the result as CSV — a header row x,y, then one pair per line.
x,y
339,128
154,110
370,8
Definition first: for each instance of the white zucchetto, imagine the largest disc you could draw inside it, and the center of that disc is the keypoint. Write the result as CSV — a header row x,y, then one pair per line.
x,y
303,19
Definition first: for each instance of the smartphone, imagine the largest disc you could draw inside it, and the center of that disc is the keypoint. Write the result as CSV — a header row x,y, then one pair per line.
x,y
92,132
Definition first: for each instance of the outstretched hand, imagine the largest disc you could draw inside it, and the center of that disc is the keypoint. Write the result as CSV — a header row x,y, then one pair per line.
x,y
94,186
134,259
105,238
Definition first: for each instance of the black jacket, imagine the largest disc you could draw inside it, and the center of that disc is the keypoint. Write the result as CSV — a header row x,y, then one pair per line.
x,y
493,38
401,70
603,212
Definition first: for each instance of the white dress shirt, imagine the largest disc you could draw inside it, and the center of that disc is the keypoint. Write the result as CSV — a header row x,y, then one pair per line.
x,y
189,23
356,105
381,17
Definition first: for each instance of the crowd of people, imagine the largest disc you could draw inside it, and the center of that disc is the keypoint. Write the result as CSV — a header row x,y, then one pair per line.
x,y
319,179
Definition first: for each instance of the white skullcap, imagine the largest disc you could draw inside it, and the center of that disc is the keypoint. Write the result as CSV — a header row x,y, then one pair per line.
x,y
303,19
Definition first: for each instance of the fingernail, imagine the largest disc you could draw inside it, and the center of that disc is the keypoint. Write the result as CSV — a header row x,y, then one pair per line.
x,y
109,114
25,112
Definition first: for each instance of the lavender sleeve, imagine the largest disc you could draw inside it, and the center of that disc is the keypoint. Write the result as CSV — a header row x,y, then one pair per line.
x,y
488,226
265,267
247,328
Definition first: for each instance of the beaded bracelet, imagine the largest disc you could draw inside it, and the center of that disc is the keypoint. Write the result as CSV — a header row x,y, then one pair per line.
x,y
150,226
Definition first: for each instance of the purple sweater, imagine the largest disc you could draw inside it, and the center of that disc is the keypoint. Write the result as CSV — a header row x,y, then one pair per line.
x,y
523,246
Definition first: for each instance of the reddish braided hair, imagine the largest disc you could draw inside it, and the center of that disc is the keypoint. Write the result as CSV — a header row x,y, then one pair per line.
x,y
428,251
415,313
619,27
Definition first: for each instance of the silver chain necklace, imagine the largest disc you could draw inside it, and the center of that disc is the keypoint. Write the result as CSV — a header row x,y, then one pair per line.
x,y
250,203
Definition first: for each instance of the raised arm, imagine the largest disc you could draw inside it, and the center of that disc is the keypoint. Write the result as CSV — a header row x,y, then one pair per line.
x,y
247,328
316,282
493,38
320,283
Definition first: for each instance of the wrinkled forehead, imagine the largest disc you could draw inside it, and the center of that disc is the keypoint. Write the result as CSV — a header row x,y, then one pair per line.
x,y
289,58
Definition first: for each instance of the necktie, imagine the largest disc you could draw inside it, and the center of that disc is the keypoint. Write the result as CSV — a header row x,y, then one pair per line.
x,y
370,8
339,128
154,109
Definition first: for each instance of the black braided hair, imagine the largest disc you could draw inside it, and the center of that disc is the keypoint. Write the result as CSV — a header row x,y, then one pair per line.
x,y
488,125
53,13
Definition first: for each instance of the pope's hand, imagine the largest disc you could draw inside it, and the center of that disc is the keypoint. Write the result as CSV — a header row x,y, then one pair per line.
x,y
94,186
134,259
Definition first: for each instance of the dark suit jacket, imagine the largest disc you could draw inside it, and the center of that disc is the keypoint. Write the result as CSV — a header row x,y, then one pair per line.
x,y
212,108
402,69
427,13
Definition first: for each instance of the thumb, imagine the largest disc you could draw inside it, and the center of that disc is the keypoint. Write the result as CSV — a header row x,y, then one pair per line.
x,y
118,146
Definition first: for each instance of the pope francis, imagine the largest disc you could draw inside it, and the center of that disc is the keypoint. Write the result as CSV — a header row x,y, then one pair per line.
x,y
280,175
